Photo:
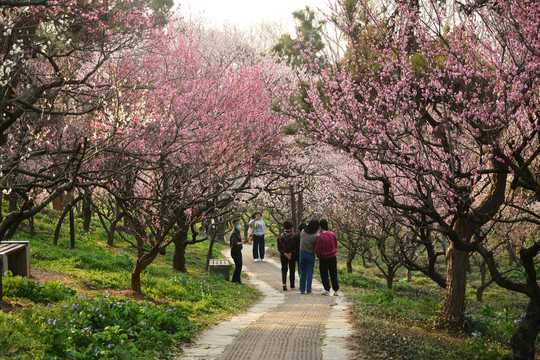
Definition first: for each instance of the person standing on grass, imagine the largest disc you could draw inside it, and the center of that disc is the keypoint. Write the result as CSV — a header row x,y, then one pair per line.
x,y
308,238
287,249
326,249
236,250
258,228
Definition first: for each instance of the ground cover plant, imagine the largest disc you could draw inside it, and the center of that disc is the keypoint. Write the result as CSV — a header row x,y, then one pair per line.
x,y
77,304
400,323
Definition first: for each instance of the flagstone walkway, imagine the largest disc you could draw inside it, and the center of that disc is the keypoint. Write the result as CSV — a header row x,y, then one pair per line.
x,y
285,325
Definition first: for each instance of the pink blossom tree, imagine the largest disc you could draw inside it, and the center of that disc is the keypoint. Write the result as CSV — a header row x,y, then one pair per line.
x,y
439,105
50,53
190,134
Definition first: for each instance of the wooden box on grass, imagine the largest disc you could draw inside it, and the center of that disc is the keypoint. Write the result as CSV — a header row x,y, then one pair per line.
x,y
219,266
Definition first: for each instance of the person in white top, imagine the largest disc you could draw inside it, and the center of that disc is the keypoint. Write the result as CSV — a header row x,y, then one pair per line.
x,y
258,228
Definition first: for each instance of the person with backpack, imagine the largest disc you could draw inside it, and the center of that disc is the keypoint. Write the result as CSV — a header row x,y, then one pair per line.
x,y
287,249
236,250
308,237
326,248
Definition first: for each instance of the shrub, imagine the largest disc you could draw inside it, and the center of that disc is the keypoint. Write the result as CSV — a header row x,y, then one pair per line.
x,y
111,328
52,291
403,284
486,350
357,280
14,337
379,297
494,325
104,261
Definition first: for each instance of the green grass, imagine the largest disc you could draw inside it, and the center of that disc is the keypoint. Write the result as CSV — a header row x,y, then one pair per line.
x,y
39,320
400,323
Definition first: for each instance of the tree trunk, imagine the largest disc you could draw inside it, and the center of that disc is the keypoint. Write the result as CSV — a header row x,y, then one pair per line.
x,y
179,257
294,210
136,277
221,229
483,285
71,227
113,227
480,294
299,210
140,266
391,272
481,289
526,333
12,202
482,269
87,211
409,275
456,284
140,246
350,257
59,226
32,226
67,209
110,234
245,226
209,254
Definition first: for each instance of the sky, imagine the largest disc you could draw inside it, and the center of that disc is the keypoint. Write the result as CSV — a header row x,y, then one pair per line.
x,y
246,13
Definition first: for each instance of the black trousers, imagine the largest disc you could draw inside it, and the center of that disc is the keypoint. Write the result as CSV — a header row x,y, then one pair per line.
x,y
329,266
237,257
287,265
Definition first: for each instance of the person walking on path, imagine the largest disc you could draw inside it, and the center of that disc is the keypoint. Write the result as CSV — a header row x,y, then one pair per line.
x,y
296,244
308,238
258,228
287,249
236,250
326,249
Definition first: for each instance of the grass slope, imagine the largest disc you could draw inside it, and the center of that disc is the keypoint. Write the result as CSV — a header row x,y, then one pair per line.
x,y
78,304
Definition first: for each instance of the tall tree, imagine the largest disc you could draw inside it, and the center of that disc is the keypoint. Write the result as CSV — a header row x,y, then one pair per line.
x,y
309,34
50,53
439,107
190,134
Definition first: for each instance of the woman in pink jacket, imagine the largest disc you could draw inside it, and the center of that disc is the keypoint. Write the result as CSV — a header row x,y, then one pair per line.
x,y
326,250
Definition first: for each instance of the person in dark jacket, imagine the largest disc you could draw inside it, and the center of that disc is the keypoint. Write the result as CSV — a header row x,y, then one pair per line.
x,y
236,250
287,249
326,248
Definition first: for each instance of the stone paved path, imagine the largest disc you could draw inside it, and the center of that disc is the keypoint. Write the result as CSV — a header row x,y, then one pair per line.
x,y
285,325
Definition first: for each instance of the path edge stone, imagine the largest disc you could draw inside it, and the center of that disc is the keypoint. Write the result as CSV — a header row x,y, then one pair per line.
x,y
211,343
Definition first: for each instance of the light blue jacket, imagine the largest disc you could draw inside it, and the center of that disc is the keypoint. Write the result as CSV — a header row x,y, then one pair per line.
x,y
258,226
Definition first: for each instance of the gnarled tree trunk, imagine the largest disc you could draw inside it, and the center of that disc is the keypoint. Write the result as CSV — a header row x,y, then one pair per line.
x,y
391,275
142,263
179,257
350,257
458,261
87,210
294,209
451,315
525,335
